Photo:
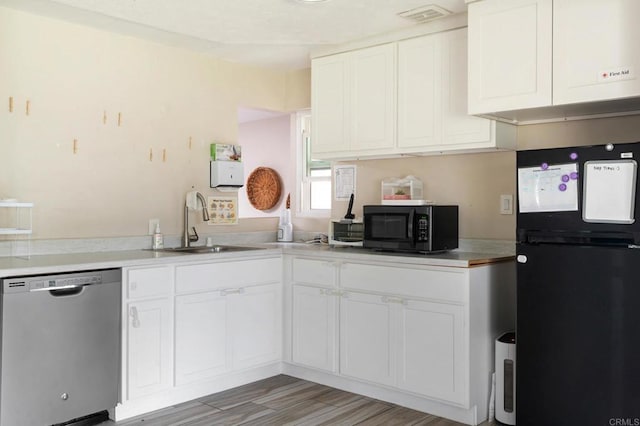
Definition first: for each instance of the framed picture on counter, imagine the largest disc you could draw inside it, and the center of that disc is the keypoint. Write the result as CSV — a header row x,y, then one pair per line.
x,y
223,210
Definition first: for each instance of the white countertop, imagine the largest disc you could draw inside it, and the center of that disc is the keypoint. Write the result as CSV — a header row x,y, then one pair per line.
x,y
58,263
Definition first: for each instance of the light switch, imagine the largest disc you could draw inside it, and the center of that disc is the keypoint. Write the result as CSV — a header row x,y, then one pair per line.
x,y
506,204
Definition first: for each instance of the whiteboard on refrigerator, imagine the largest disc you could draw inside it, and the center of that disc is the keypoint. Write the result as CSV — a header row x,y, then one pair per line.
x,y
609,191
548,188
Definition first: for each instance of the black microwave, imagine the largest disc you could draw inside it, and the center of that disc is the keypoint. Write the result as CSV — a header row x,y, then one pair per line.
x,y
428,228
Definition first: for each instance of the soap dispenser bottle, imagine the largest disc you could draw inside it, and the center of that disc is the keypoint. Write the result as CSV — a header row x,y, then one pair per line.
x,y
158,238
285,228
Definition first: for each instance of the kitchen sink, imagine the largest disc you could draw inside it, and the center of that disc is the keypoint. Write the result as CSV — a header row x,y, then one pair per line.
x,y
207,249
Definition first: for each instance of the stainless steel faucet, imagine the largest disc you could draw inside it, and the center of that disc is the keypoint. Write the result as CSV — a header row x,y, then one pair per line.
x,y
187,238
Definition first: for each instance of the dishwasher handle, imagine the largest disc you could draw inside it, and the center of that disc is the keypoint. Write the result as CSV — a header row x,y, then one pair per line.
x,y
67,291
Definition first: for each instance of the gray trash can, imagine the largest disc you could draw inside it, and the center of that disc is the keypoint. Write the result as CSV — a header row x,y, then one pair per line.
x,y
506,378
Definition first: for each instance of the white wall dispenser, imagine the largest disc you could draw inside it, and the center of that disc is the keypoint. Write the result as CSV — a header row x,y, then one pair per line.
x,y
227,174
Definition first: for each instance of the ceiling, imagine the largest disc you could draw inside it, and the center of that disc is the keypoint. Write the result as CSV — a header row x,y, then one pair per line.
x,y
270,33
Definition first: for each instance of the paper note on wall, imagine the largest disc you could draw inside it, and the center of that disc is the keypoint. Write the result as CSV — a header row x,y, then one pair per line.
x,y
609,191
548,188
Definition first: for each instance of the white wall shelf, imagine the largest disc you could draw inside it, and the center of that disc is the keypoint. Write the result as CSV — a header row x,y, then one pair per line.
x,y
16,220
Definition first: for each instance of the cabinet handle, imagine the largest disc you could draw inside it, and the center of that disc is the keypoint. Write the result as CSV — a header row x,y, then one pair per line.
x,y
133,312
327,292
229,291
399,300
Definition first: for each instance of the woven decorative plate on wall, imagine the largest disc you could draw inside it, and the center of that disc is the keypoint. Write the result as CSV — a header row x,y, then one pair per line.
x,y
264,188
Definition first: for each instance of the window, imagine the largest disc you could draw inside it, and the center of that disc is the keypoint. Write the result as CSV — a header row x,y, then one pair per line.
x,y
314,176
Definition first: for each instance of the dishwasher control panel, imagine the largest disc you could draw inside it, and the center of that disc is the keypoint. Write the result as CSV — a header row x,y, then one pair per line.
x,y
45,283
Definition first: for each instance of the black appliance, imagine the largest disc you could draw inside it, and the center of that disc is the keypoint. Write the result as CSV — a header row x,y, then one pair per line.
x,y
578,286
423,228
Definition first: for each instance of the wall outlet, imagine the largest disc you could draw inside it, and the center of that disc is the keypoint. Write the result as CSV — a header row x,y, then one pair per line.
x,y
152,225
506,204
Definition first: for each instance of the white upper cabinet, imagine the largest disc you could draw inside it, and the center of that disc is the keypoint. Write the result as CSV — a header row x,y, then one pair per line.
x,y
535,60
373,96
329,88
405,97
352,101
432,96
510,54
419,93
596,55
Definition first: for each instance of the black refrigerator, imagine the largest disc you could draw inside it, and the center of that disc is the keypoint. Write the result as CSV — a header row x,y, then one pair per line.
x,y
578,286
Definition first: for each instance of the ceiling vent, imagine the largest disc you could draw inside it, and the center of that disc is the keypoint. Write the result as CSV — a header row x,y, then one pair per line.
x,y
425,13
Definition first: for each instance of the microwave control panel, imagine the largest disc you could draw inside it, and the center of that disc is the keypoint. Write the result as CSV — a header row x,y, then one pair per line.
x,y
423,228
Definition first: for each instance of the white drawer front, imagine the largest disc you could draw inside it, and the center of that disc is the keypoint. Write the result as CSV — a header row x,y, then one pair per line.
x,y
311,271
208,276
439,284
148,282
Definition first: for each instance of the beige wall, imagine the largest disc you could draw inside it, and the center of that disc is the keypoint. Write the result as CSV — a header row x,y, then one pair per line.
x,y
475,181
121,175
73,75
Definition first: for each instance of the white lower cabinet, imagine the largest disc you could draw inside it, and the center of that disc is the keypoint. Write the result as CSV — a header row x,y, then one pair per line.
x,y
414,345
255,325
421,336
147,331
314,327
367,338
148,347
430,346
201,336
314,310
185,325
390,333
225,330
423,333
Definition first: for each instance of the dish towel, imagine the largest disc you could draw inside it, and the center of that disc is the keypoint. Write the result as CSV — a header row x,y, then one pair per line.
x,y
192,200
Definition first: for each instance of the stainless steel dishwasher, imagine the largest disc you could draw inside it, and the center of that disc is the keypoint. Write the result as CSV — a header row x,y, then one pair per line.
x,y
60,348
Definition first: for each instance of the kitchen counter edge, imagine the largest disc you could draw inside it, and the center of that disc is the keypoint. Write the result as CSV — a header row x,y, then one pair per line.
x,y
77,262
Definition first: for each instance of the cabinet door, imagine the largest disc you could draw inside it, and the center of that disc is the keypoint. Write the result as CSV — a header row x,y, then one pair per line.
x,y
255,318
419,91
366,338
431,350
330,104
314,327
510,45
149,347
373,98
595,50
458,128
201,336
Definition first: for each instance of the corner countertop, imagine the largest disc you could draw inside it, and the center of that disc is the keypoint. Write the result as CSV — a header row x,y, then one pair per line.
x,y
73,262
454,258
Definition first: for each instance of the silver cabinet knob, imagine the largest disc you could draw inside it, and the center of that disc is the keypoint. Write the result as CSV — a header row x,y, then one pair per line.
x,y
64,396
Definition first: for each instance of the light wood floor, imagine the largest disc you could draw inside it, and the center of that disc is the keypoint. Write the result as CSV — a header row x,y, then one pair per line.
x,y
285,400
